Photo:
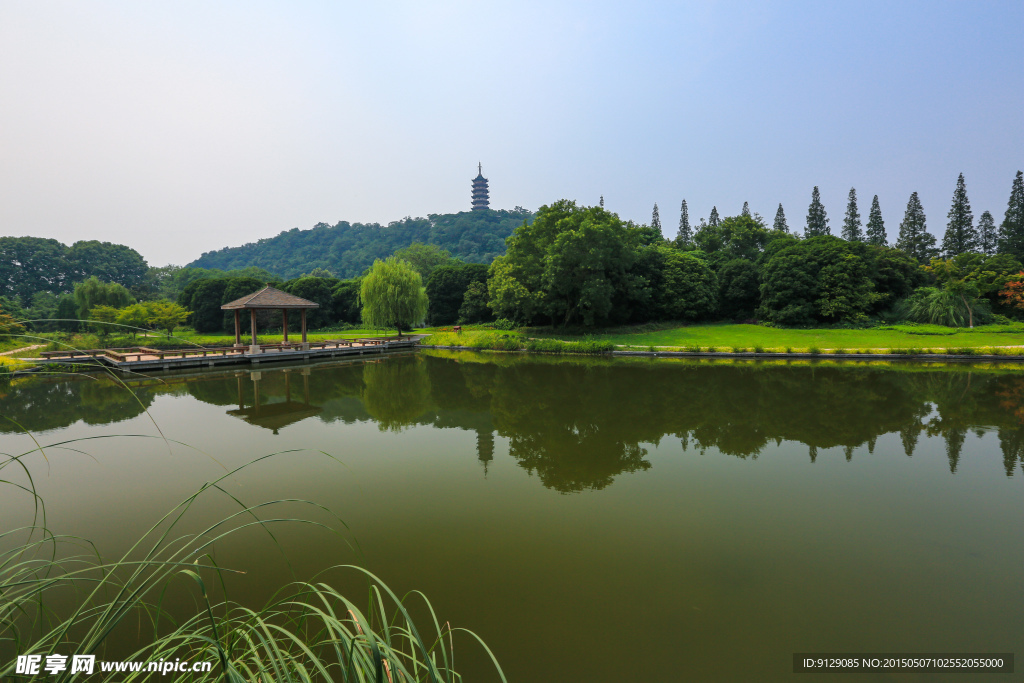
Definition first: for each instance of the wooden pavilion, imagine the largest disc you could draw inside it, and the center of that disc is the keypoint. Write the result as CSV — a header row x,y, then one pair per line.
x,y
272,298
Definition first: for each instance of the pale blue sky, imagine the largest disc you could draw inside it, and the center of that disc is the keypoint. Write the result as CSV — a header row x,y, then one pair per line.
x,y
189,126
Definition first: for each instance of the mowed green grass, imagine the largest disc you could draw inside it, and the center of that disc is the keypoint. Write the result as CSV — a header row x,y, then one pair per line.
x,y
726,336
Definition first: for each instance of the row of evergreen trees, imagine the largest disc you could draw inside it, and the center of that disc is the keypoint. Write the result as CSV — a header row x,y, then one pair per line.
x,y
962,235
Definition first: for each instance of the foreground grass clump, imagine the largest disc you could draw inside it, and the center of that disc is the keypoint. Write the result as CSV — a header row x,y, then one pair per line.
x,y
307,632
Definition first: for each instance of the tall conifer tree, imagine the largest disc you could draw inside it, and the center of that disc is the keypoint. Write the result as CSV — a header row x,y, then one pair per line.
x,y
685,234
780,224
655,218
602,201
852,231
1011,232
876,226
746,209
714,220
817,219
961,236
988,236
914,239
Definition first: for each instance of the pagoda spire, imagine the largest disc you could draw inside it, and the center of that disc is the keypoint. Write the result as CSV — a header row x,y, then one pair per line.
x,y
481,200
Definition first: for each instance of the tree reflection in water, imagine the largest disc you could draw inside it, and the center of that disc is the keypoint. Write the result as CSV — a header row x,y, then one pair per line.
x,y
579,423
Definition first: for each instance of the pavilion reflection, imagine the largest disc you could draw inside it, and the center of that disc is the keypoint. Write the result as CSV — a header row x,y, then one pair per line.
x,y
274,415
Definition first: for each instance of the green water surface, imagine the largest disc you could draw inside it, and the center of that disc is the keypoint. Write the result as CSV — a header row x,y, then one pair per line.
x,y
591,519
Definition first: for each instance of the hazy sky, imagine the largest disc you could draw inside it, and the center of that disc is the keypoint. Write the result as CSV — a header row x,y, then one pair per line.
x,y
188,126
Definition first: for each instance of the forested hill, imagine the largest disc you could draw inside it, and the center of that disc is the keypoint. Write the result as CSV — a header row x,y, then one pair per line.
x,y
346,249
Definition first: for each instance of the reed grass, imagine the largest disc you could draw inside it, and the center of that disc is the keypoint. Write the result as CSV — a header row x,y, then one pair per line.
x,y
307,632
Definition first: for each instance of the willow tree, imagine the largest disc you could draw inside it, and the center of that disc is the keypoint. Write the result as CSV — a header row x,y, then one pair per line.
x,y
392,295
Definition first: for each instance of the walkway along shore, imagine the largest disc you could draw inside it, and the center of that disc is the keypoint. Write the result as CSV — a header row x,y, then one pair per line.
x,y
767,355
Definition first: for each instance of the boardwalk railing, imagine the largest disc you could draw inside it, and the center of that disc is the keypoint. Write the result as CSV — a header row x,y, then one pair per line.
x,y
138,353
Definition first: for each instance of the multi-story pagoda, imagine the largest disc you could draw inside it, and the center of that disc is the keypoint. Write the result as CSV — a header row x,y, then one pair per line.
x,y
481,201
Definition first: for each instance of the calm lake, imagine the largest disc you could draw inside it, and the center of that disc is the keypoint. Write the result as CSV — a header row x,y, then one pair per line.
x,y
590,519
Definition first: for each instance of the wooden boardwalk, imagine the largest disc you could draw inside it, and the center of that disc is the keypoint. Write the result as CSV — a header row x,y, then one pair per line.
x,y
143,358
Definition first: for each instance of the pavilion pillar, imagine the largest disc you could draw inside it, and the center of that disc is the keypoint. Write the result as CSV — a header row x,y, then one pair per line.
x,y
304,343
284,316
252,316
238,327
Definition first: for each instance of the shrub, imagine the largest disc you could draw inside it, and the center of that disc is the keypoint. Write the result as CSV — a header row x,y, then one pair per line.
x,y
503,324
814,350
946,307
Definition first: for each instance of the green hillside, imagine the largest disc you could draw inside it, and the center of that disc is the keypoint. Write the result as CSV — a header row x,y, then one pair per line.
x,y
346,249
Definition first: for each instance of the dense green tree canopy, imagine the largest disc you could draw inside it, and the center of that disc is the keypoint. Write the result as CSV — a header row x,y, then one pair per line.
x,y
566,266
29,265
738,289
688,288
319,290
820,279
474,307
424,258
446,290
347,249
733,237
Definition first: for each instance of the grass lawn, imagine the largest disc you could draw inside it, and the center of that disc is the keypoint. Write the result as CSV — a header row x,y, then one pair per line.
x,y
725,336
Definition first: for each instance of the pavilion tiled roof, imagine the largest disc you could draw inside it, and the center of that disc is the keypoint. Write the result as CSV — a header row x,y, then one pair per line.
x,y
269,297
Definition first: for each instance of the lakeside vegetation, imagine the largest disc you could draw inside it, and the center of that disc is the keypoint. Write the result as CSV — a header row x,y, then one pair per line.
x,y
576,268
997,339
984,340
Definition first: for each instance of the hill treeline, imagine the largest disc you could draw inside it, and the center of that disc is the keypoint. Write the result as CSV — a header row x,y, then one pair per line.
x,y
347,249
